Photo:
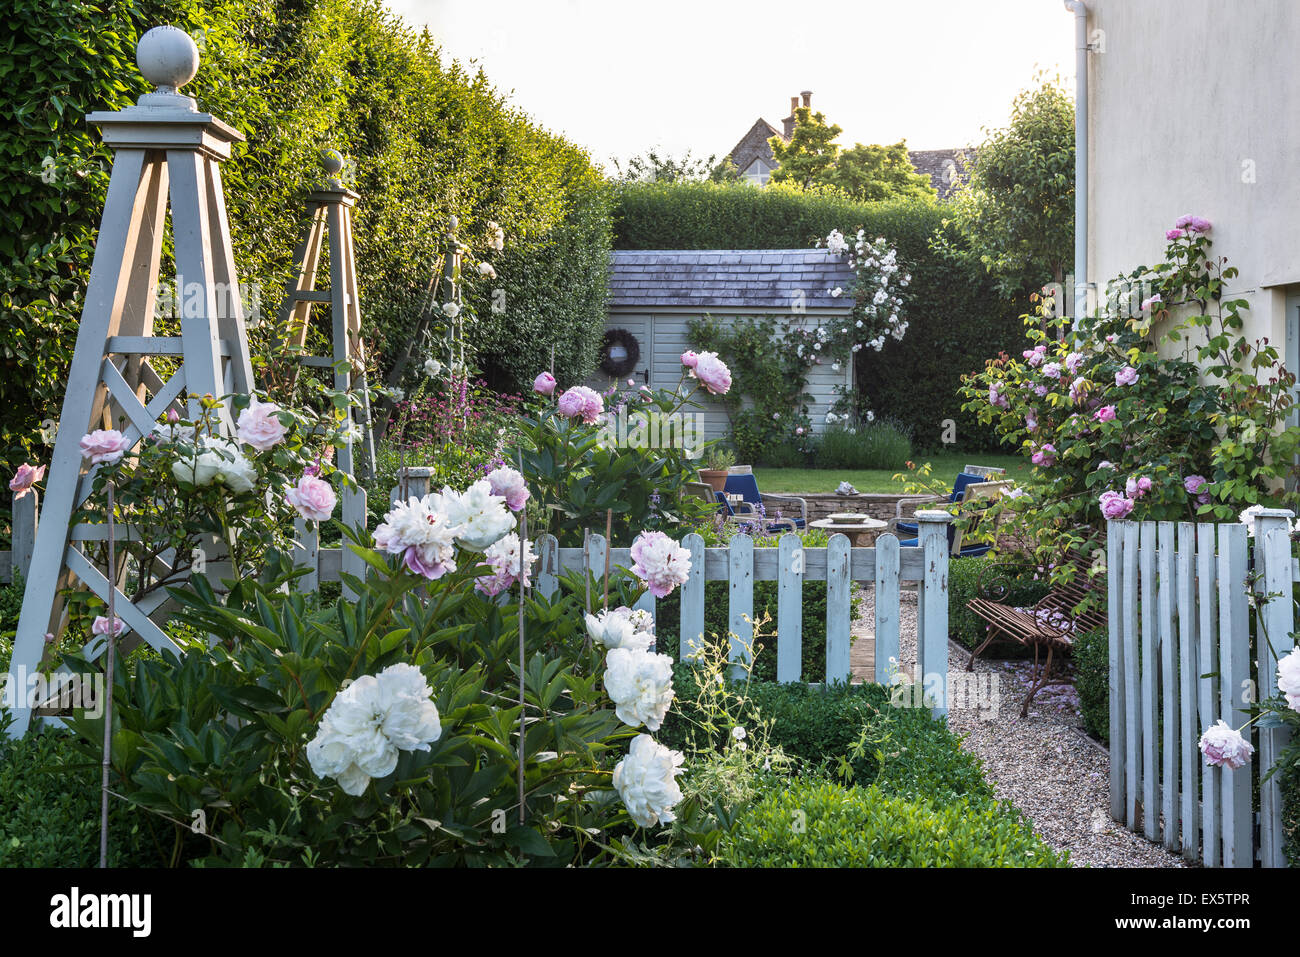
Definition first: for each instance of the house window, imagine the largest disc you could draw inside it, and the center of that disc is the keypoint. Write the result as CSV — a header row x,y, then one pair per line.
x,y
757,172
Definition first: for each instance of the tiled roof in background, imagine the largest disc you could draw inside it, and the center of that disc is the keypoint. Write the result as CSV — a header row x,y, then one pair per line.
x,y
762,280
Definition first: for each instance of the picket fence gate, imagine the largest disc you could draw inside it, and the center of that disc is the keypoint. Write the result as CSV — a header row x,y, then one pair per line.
x,y
885,567
1180,659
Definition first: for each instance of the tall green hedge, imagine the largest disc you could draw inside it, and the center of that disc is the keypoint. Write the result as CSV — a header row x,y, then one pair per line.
x,y
425,140
957,320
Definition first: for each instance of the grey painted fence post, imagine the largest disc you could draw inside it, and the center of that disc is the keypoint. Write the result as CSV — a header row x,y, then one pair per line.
x,y
932,607
23,535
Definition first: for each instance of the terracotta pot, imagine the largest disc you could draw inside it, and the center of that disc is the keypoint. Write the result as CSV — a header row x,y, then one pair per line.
x,y
716,479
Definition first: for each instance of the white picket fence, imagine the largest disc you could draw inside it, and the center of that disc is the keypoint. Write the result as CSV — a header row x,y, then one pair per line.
x,y
1180,659
885,567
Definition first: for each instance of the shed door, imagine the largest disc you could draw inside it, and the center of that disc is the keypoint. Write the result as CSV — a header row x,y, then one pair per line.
x,y
641,326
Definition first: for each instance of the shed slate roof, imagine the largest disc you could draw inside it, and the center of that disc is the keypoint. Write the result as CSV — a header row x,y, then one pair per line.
x,y
762,280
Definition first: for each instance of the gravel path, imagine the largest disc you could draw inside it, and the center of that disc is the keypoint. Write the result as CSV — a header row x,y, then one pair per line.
x,y
1043,764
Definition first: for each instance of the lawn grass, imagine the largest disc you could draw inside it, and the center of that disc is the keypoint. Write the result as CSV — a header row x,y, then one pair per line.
x,y
946,465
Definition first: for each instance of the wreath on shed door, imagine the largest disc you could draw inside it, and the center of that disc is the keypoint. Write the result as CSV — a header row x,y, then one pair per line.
x,y
619,353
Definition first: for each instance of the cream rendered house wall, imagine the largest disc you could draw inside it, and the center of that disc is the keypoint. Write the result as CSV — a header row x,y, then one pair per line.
x,y
1195,108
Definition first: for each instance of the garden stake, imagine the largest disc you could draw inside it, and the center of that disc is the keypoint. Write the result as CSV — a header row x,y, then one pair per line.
x,y
108,680
523,550
609,529
586,578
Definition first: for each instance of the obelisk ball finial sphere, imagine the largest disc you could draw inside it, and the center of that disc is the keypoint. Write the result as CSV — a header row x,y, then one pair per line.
x,y
332,160
168,57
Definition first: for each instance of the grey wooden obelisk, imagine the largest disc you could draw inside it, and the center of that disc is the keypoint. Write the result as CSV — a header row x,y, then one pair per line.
x,y
329,211
165,152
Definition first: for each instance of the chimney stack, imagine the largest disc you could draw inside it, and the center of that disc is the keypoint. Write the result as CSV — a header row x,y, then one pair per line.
x,y
807,98
788,122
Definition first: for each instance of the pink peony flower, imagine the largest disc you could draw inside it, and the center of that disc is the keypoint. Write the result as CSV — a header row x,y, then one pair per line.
x,y
1105,414
504,559
102,626
425,562
510,485
313,498
1114,505
105,446
660,562
1194,484
1224,746
25,478
690,359
1288,678
1126,376
544,384
712,373
583,403
258,425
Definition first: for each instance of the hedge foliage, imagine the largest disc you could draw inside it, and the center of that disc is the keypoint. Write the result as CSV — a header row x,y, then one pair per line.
x,y
819,824
1092,681
424,140
956,321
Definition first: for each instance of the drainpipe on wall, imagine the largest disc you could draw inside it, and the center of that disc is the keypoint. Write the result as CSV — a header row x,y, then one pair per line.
x,y
1080,11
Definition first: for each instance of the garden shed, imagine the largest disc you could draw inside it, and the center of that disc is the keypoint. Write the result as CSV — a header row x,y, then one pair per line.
x,y
653,295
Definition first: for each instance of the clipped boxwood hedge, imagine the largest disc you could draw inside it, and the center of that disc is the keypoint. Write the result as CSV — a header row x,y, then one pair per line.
x,y
818,824
1092,681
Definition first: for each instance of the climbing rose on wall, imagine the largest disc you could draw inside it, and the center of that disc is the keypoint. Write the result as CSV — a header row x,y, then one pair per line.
x,y
104,446
26,476
258,426
313,498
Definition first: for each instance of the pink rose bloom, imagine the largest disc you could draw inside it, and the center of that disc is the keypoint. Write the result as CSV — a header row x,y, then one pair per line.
x,y
690,359
1224,746
1073,361
583,403
313,498
1126,376
510,485
25,478
1045,456
1137,487
544,384
1203,498
102,626
1040,390
1035,356
1173,234
258,425
1112,338
996,398
1031,420
1114,505
173,416
103,446
799,430
1105,414
1151,301
1078,389
1052,370
660,562
1194,224
1194,484
712,373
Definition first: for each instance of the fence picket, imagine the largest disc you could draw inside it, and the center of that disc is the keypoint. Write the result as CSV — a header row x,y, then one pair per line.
x,y
932,608
1188,756
547,550
1275,618
887,602
692,625
1115,660
1132,693
1234,669
789,611
1150,699
306,546
1207,689
1168,638
596,567
839,611
740,600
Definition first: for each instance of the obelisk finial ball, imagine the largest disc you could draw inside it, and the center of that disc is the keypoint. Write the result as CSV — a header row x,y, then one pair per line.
x,y
332,160
167,57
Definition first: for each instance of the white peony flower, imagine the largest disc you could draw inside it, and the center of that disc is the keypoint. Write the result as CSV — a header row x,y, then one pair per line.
x,y
1247,518
646,781
620,628
1223,746
1288,678
479,516
369,722
640,683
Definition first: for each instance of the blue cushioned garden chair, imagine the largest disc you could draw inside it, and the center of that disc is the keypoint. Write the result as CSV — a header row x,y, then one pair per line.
x,y
958,492
746,486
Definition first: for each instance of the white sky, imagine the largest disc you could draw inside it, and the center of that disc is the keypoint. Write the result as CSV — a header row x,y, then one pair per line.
x,y
621,77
